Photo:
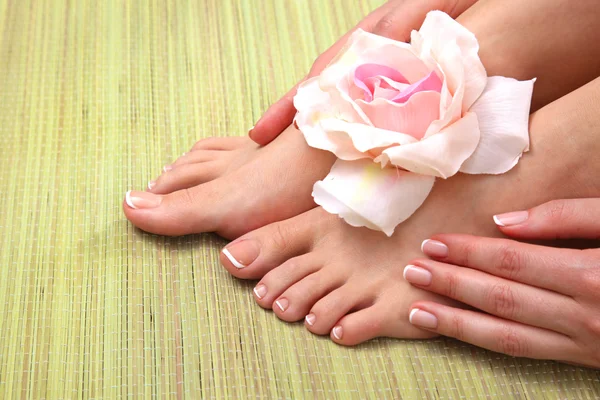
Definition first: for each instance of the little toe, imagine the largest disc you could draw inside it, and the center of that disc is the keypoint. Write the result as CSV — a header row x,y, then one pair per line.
x,y
328,310
223,143
185,176
279,279
199,156
260,251
295,303
383,319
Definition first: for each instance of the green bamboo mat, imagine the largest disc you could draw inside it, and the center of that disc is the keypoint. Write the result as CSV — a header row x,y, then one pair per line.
x,y
97,95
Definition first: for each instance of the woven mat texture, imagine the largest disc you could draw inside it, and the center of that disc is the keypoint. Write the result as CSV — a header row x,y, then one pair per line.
x,y
95,97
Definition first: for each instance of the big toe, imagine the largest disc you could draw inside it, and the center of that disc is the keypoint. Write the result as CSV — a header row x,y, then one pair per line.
x,y
178,213
262,250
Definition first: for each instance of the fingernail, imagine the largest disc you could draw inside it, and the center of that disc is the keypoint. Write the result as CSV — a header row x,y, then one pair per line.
x,y
511,218
241,253
434,248
260,290
282,304
167,168
136,200
423,319
151,184
337,332
310,319
417,275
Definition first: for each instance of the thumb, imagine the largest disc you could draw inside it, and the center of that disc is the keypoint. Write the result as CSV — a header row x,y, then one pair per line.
x,y
557,219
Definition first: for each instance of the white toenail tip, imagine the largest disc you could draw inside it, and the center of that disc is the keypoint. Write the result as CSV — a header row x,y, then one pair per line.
x,y
151,185
412,313
497,221
128,200
279,305
310,319
235,262
256,293
335,332
423,244
406,269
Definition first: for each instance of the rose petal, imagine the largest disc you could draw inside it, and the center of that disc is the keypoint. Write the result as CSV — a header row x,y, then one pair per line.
x,y
441,154
366,71
430,83
363,194
412,117
439,31
503,115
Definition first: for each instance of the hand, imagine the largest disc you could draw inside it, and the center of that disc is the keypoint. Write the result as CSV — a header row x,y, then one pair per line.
x,y
395,19
537,302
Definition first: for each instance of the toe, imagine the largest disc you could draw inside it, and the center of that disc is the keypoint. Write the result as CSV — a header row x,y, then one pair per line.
x,y
328,310
178,213
295,303
199,156
223,143
386,318
275,282
185,176
260,251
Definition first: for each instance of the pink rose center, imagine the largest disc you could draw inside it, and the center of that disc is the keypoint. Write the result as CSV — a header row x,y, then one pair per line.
x,y
381,81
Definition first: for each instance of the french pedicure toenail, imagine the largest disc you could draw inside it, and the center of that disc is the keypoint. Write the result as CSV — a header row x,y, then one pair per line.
x,y
151,185
310,319
337,332
260,291
137,200
167,168
433,248
241,253
282,303
417,275
511,218
423,319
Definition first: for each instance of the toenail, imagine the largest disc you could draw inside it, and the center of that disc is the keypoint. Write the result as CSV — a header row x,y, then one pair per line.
x,y
417,275
310,319
337,332
242,253
135,199
151,184
260,291
423,319
433,248
282,304
167,168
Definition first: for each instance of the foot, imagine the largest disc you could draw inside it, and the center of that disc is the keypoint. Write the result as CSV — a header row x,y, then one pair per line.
x,y
347,282
230,186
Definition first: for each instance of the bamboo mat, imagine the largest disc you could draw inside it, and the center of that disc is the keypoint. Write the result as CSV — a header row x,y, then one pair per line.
x,y
97,95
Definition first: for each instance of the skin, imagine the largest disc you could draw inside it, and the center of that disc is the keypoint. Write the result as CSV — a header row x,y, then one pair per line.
x,y
539,302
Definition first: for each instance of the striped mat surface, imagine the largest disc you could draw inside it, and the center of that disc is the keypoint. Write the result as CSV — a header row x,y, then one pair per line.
x,y
97,95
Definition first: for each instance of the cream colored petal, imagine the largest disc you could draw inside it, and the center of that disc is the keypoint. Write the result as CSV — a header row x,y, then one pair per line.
x,y
439,155
365,195
503,115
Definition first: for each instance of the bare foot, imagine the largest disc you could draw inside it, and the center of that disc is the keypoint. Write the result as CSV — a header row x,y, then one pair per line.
x,y
347,282
230,186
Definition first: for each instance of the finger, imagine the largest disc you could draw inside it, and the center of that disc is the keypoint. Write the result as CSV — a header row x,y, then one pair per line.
x,y
546,267
506,299
557,219
494,333
281,114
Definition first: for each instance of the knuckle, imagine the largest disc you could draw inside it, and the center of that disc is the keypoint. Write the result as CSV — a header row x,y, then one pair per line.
x,y
557,211
279,238
509,261
501,301
510,343
451,285
457,327
385,25
468,253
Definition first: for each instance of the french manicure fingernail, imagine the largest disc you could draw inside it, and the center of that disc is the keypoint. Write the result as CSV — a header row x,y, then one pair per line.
x,y
511,218
260,290
282,303
434,248
310,319
167,168
423,319
241,253
137,200
417,275
151,184
337,332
